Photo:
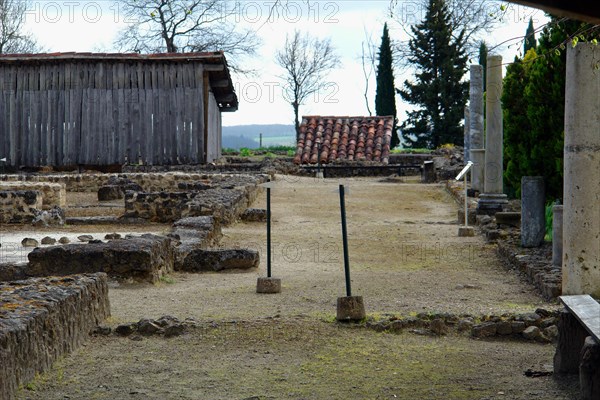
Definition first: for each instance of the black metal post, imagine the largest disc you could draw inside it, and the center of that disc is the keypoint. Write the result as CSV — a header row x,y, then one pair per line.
x,y
345,242
319,159
268,231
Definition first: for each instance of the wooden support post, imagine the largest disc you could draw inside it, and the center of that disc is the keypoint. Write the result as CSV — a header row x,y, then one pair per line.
x,y
589,370
571,337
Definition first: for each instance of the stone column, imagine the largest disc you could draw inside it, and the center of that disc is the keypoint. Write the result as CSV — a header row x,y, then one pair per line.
x,y
467,138
581,215
476,127
493,199
533,211
557,235
478,169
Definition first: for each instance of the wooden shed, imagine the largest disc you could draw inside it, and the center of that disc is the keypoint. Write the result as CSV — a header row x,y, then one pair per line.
x,y
67,109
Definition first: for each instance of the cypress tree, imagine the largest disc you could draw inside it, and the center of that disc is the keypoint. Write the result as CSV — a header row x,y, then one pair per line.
x,y
385,96
483,52
534,102
438,91
529,42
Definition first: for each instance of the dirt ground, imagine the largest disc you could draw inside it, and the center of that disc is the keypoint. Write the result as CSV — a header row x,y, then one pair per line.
x,y
405,258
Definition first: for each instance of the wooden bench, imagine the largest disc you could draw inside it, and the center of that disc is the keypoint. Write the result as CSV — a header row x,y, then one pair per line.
x,y
578,347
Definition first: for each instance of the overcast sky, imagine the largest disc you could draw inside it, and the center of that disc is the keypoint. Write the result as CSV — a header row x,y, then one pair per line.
x,y
73,25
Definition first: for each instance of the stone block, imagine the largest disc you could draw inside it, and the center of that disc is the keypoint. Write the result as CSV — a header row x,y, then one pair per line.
x,y
532,333
268,285
194,233
43,319
19,206
350,308
485,329
53,194
144,258
110,192
219,260
254,215
466,231
508,218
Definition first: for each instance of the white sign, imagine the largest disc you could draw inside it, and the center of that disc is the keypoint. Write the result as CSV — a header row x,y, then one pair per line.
x,y
464,170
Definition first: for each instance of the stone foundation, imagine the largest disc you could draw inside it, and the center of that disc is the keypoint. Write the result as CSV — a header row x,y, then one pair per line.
x,y
150,182
194,233
225,201
53,194
220,260
19,206
43,319
145,258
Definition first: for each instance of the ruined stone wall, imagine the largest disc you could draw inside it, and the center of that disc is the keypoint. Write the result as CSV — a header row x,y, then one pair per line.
x,y
145,258
19,206
43,319
150,182
225,197
53,194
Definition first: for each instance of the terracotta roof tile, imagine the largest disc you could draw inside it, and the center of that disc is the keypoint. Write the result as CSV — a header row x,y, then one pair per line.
x,y
344,138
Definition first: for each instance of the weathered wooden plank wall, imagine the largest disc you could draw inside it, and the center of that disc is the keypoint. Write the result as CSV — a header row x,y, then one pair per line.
x,y
102,113
214,129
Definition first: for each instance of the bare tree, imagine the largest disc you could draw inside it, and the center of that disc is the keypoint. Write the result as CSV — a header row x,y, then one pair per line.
x,y
13,38
470,19
157,26
306,60
368,59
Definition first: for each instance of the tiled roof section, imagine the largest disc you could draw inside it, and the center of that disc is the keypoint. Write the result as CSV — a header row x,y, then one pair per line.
x,y
344,138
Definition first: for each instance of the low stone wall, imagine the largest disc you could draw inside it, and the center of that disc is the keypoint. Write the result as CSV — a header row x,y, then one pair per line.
x,y
150,182
43,319
19,206
194,233
227,198
145,258
53,194
534,263
539,326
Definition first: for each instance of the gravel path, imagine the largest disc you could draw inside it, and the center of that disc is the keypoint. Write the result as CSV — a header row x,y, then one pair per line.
x,y
405,257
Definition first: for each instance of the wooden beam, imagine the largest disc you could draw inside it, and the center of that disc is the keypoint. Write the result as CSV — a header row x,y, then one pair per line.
x,y
221,83
214,67
226,98
583,10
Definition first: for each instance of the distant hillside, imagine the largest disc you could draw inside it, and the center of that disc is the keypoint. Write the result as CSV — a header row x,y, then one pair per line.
x,y
238,136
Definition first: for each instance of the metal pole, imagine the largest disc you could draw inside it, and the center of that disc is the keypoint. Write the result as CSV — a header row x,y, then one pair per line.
x,y
260,140
268,230
345,242
466,204
319,159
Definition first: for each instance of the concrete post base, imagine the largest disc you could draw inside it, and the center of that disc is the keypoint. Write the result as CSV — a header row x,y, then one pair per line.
x,y
491,203
466,231
268,285
350,308
319,175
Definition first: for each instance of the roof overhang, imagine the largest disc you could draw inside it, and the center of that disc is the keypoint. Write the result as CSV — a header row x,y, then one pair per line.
x,y
583,10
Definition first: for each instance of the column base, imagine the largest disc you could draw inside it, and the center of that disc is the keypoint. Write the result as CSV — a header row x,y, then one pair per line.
x,y
491,203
